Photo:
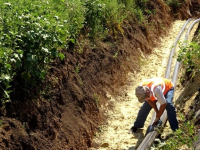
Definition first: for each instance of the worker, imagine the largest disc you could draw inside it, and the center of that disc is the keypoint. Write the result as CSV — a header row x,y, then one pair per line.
x,y
149,92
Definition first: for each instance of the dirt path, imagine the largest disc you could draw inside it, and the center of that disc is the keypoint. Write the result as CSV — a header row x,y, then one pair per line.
x,y
114,135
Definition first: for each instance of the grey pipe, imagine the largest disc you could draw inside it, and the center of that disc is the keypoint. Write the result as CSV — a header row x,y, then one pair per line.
x,y
177,66
149,138
168,69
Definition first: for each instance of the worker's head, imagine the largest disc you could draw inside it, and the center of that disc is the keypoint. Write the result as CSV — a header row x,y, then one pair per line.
x,y
141,93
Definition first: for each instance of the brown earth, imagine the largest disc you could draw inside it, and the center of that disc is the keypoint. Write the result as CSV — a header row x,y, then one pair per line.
x,y
67,112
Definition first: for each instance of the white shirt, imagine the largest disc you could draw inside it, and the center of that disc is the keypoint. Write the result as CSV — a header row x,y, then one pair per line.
x,y
159,94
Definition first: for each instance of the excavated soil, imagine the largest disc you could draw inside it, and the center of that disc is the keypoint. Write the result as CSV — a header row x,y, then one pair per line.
x,y
69,110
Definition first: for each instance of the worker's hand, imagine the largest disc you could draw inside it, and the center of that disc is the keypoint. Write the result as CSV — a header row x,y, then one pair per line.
x,y
155,122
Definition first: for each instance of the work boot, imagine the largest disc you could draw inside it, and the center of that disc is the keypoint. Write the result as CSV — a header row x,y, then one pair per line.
x,y
132,130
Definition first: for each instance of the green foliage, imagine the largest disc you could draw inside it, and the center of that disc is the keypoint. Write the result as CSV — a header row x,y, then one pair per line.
x,y
116,54
96,99
7,60
103,15
190,57
184,136
174,3
77,69
34,33
106,16
139,15
129,7
95,11
141,3
75,11
140,10
1,122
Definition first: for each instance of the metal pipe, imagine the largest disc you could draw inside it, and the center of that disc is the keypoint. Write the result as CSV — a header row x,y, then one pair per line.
x,y
169,64
177,66
149,138
168,69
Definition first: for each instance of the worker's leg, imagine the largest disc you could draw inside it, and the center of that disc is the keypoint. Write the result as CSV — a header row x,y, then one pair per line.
x,y
171,112
142,115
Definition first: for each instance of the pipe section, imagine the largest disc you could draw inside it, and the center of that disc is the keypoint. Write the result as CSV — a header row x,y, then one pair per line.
x,y
177,66
168,69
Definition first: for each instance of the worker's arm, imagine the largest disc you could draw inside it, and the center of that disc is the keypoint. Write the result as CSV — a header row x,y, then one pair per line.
x,y
153,105
161,110
161,99
158,112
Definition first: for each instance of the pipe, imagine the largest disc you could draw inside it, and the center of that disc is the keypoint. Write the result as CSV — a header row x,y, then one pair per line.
x,y
177,66
169,64
168,69
149,138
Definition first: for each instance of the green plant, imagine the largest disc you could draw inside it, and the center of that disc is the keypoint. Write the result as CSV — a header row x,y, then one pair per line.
x,y
30,36
173,3
116,54
96,99
95,17
1,123
105,16
129,5
76,12
139,15
190,57
6,72
33,34
141,3
24,125
80,46
77,69
184,136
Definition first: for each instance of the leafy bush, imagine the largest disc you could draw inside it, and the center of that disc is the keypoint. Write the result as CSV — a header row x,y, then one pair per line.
x,y
33,33
190,57
106,16
76,11
174,3
95,16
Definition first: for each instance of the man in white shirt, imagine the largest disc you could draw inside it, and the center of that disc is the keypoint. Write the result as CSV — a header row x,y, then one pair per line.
x,y
150,91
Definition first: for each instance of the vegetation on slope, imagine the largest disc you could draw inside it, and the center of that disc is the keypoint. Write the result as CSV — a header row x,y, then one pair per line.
x,y
34,33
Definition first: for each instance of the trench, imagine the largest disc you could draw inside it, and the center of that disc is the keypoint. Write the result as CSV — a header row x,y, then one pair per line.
x,y
114,133
150,137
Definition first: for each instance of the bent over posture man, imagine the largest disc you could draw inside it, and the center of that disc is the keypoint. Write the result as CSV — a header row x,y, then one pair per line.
x,y
150,91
